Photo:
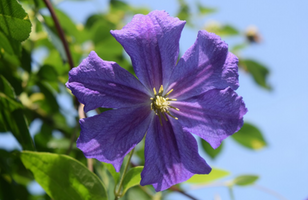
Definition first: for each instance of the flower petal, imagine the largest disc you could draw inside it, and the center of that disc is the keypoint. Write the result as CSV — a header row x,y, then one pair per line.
x,y
98,83
171,156
204,66
110,135
152,42
213,116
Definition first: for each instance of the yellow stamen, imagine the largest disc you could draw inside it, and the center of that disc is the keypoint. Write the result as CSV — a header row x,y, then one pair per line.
x,y
160,104
172,107
164,116
161,89
169,92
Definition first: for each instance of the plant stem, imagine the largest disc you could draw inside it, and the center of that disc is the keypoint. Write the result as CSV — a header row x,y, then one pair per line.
x,y
117,193
173,188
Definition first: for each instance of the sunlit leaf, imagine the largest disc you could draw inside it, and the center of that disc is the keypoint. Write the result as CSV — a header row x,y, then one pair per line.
x,y
184,12
221,30
63,177
250,136
205,10
14,21
213,153
132,178
244,180
258,71
206,178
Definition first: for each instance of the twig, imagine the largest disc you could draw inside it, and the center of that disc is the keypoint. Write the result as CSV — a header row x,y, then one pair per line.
x,y
173,188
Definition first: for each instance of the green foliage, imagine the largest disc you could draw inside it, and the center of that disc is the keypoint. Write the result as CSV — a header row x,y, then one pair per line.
x,y
213,153
206,178
63,177
258,71
250,137
14,21
245,180
222,30
132,178
12,117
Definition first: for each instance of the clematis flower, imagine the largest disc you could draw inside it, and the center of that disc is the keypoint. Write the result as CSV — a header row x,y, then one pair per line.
x,y
168,102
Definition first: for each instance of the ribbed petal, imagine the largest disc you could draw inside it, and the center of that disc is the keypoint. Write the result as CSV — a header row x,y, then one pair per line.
x,y
213,115
98,83
110,135
171,156
204,66
152,42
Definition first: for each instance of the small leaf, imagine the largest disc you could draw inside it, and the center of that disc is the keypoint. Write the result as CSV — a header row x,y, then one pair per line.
x,y
213,153
206,178
258,71
14,21
132,178
205,10
184,12
63,177
250,136
222,30
245,180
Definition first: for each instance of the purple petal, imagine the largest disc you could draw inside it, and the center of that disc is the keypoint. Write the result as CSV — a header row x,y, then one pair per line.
x,y
171,156
204,66
152,42
98,83
213,115
110,135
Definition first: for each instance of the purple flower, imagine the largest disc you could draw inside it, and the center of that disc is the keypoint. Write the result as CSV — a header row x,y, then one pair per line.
x,y
167,102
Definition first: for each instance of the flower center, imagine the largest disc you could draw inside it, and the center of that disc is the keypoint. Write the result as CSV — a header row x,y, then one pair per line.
x,y
161,104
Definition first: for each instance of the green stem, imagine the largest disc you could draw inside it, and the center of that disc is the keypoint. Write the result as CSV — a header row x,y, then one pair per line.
x,y
117,193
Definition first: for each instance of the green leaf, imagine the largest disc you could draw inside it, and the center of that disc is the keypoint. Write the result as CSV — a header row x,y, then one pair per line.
x,y
250,136
14,21
48,73
184,12
205,10
132,178
222,30
258,71
112,171
49,104
63,177
5,46
213,153
244,180
206,178
26,60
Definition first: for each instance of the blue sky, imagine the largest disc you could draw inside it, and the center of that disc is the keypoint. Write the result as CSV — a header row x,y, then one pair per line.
x,y
281,114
